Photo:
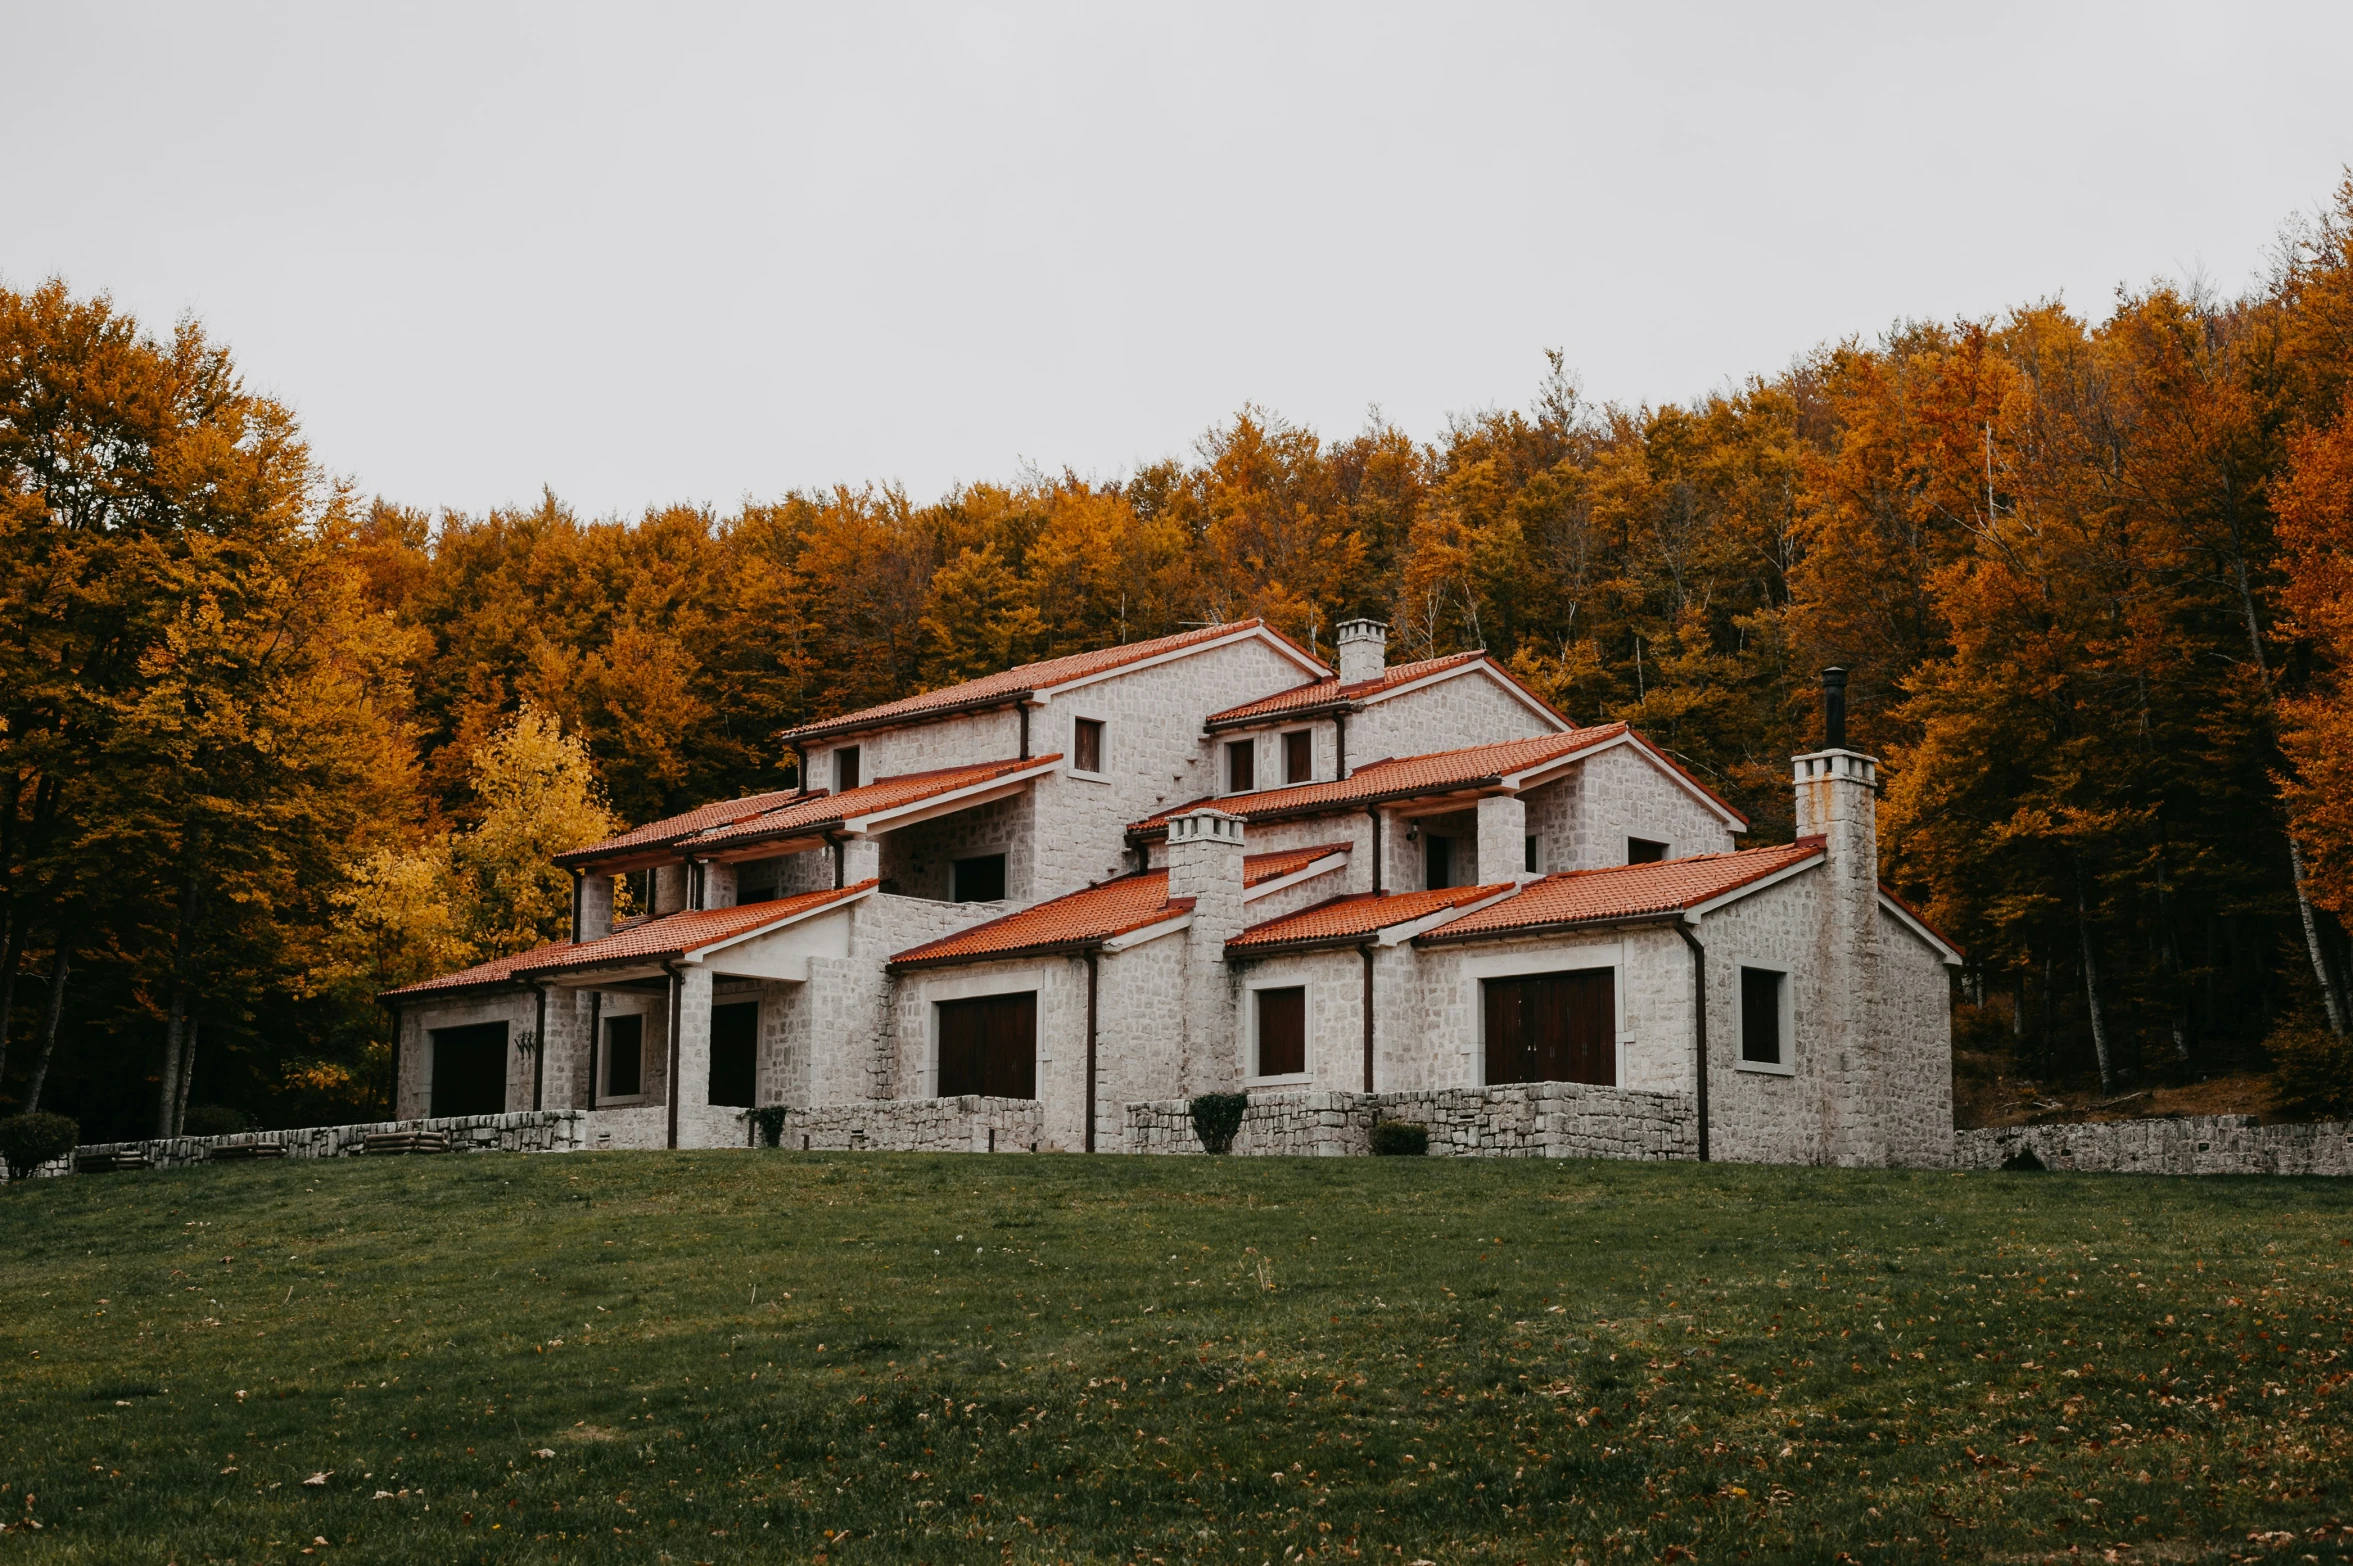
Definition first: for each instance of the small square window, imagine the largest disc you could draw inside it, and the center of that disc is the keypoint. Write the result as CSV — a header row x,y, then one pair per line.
x,y
1532,855
1282,1032
1642,851
845,769
1241,766
1760,1016
1299,757
1086,744
980,879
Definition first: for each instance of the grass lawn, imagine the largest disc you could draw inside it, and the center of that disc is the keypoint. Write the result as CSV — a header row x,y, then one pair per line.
x,y
851,1358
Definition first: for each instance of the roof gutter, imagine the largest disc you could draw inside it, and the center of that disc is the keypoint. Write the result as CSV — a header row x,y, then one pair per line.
x,y
1556,927
1699,999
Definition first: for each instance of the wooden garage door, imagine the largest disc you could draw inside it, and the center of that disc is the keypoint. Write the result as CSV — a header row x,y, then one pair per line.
x,y
470,1070
990,1045
1553,1027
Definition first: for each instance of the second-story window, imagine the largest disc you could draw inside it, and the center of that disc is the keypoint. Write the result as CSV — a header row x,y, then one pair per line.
x,y
1642,851
845,769
1086,744
1299,756
1241,766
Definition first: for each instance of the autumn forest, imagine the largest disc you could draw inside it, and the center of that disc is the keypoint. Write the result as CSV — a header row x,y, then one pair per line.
x,y
269,744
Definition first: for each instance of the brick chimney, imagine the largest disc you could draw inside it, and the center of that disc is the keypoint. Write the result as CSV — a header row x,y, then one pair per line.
x,y
1838,801
1364,650
1205,864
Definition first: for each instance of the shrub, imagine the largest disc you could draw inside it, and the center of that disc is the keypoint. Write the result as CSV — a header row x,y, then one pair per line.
x,y
2312,1069
29,1141
216,1120
1400,1139
2023,1161
1216,1117
769,1118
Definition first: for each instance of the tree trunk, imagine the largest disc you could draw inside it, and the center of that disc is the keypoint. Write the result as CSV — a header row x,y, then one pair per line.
x,y
176,1019
2091,982
49,1016
187,1073
12,943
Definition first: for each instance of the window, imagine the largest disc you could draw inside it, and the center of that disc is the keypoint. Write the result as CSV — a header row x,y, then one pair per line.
x,y
1760,1016
735,1048
1437,862
1299,756
1532,855
1282,1032
756,879
1086,744
845,769
990,1045
1642,851
470,1070
624,1057
1241,766
1552,1027
980,879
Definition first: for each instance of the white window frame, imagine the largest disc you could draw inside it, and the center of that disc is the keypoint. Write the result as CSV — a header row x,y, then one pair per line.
x,y
979,986
1252,1076
835,757
1103,774
1283,741
1666,845
1786,1066
1225,764
1527,963
604,1058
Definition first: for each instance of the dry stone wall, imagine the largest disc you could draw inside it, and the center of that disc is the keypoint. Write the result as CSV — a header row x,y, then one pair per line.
x,y
526,1131
1523,1120
2191,1145
971,1124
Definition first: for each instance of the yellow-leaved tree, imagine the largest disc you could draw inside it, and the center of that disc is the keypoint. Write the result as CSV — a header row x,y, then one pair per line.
x,y
540,796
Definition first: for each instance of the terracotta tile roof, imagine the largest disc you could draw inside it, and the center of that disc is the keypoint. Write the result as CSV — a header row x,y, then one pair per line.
x,y
672,935
668,830
996,689
1331,693
1355,917
1257,869
820,811
1061,924
1626,892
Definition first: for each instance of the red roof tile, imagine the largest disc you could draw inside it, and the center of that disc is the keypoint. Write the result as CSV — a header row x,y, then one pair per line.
x,y
1323,693
1626,892
1257,869
1355,917
672,935
820,812
668,830
1062,924
997,689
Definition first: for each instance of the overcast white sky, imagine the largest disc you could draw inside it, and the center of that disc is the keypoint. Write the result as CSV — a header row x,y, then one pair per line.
x,y
646,254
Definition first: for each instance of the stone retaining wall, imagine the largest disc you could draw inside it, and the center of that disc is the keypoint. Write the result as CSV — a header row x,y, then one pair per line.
x,y
2193,1144
1522,1120
970,1124
525,1131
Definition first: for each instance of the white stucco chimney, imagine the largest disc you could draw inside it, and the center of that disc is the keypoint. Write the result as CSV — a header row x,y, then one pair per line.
x,y
1205,864
1838,801
1364,650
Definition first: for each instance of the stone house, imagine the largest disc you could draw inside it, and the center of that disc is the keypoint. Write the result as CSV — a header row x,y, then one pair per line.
x,y
1021,910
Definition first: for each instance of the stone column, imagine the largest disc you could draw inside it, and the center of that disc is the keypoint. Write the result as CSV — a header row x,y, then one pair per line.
x,y
861,859
690,1091
1205,864
718,884
1837,1045
669,888
596,906
1503,840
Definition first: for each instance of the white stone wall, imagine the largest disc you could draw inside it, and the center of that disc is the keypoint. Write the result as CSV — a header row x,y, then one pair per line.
x,y
971,1124
1763,1117
2191,1145
1653,989
1140,1031
1471,709
1585,818
526,1131
419,1019
920,747
1334,981
1913,1024
1060,984
1527,1120
1351,826
919,861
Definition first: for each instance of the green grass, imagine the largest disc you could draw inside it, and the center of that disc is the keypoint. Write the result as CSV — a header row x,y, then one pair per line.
x,y
867,1358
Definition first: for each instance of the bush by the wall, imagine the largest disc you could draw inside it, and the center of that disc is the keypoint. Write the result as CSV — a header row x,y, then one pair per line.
x,y
29,1141
769,1120
1216,1117
1400,1139
2023,1161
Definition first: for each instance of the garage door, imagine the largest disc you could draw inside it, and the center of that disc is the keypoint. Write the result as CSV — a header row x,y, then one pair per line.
x,y
470,1070
1553,1027
990,1045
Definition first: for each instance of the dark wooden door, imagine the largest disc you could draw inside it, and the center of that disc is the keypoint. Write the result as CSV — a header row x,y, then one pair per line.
x,y
470,1070
735,1047
990,1045
1553,1027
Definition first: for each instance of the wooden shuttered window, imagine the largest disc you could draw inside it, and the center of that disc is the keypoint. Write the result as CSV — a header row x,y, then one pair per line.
x,y
1282,1032
1552,1027
990,1045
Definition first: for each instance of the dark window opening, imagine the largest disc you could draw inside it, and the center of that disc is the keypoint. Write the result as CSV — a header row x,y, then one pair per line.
x,y
624,1057
1532,856
1437,862
1299,757
1241,766
470,1070
1642,851
980,880
1760,1016
1282,1032
1086,744
735,1049
845,769
1552,1027
990,1046
756,880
